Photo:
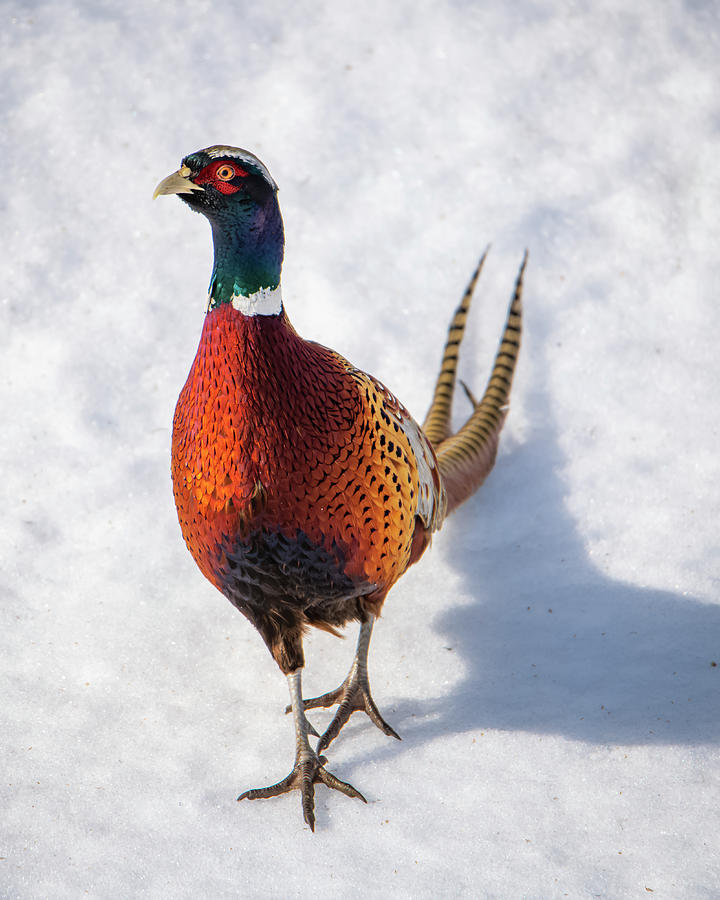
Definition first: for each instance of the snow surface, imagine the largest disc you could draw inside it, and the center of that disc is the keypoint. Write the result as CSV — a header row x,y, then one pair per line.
x,y
550,663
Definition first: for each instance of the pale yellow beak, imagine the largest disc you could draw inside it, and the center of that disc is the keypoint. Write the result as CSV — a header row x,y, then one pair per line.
x,y
177,183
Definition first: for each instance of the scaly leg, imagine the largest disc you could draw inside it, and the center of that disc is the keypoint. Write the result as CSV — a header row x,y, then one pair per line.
x,y
353,695
309,766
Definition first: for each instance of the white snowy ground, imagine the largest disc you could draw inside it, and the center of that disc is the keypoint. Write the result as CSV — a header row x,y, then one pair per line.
x,y
550,663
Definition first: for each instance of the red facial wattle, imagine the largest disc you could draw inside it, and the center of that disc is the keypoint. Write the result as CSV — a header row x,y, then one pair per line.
x,y
222,175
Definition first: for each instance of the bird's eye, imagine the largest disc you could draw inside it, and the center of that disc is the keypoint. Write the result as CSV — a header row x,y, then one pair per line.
x,y
225,173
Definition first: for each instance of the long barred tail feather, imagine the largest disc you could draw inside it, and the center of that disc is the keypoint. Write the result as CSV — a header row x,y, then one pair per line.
x,y
466,458
437,421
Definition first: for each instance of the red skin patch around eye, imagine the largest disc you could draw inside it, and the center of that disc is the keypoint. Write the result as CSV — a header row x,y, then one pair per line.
x,y
225,187
208,175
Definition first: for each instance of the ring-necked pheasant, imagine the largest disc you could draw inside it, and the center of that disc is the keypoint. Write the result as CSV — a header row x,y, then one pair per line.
x,y
304,489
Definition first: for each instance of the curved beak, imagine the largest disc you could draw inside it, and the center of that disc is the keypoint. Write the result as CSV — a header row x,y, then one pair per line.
x,y
177,183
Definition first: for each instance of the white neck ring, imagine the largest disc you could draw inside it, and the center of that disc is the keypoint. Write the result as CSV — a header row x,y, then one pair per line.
x,y
265,302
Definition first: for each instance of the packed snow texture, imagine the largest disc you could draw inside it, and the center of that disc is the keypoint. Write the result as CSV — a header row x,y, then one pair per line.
x,y
551,662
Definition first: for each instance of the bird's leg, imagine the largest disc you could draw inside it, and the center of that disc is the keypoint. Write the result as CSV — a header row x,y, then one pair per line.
x,y
308,768
353,695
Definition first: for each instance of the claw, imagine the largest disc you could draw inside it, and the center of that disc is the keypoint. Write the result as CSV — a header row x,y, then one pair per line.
x,y
307,772
353,695
309,768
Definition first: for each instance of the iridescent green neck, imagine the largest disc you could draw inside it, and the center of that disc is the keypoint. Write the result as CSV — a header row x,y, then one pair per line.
x,y
249,246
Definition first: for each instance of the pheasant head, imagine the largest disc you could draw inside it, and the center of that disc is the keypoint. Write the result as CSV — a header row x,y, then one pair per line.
x,y
236,193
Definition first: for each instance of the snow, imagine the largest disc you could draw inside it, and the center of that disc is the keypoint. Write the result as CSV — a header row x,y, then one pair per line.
x,y
550,663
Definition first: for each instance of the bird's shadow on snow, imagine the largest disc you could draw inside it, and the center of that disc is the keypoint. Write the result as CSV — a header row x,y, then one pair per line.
x,y
549,643
552,645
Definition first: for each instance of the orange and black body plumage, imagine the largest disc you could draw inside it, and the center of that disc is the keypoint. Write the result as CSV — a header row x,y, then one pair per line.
x,y
304,489
296,488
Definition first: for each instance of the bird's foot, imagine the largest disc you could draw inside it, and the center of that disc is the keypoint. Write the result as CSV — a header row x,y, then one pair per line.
x,y
309,769
353,695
